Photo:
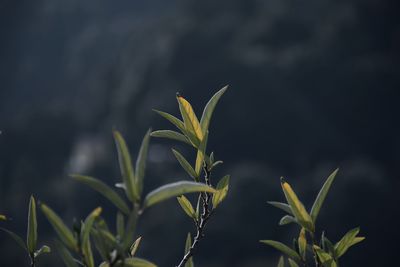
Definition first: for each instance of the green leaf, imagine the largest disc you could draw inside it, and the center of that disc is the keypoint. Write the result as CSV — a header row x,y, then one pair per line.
x,y
88,224
62,231
125,164
297,207
287,219
3,217
31,237
88,254
292,263
186,206
175,121
171,135
43,249
66,256
190,120
185,165
222,190
175,189
120,224
302,240
100,244
17,239
198,207
328,246
357,240
321,196
283,206
135,246
209,109
346,242
281,262
130,229
103,189
141,162
325,258
188,245
283,248
201,151
138,262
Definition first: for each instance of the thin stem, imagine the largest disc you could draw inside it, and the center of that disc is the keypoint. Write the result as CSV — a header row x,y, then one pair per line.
x,y
32,256
205,216
314,252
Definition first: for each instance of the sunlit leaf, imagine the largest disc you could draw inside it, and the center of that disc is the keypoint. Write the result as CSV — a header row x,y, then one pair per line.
x,y
302,240
171,135
43,249
281,262
125,164
141,162
325,258
31,237
138,262
292,263
65,255
321,196
189,117
297,207
209,108
186,206
105,190
201,151
175,189
61,229
135,246
88,254
185,165
188,245
283,206
357,240
283,248
222,190
346,242
16,238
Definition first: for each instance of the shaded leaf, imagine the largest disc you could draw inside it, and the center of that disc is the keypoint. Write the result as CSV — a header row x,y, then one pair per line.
x,y
292,263
287,219
185,165
61,229
141,162
222,190
17,239
297,207
175,189
43,249
175,121
88,254
325,258
120,224
171,135
103,189
321,196
302,240
188,244
283,206
65,255
130,229
186,206
125,164
283,248
138,262
31,233
209,109
88,224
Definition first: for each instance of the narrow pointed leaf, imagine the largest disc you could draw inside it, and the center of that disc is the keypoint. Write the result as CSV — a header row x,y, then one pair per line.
x,y
105,190
345,243
120,224
325,258
61,229
185,165
188,245
31,237
287,219
209,109
186,206
65,255
88,224
189,117
302,240
283,206
135,246
321,196
222,190
125,164
357,240
297,207
141,162
281,262
171,135
43,249
175,189
175,121
130,229
138,262
88,254
292,263
283,248
17,239
200,155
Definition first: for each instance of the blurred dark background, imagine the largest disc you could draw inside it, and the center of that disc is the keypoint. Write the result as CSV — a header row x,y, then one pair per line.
x,y
314,85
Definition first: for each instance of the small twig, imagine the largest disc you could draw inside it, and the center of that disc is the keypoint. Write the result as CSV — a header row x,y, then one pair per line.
x,y
205,216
